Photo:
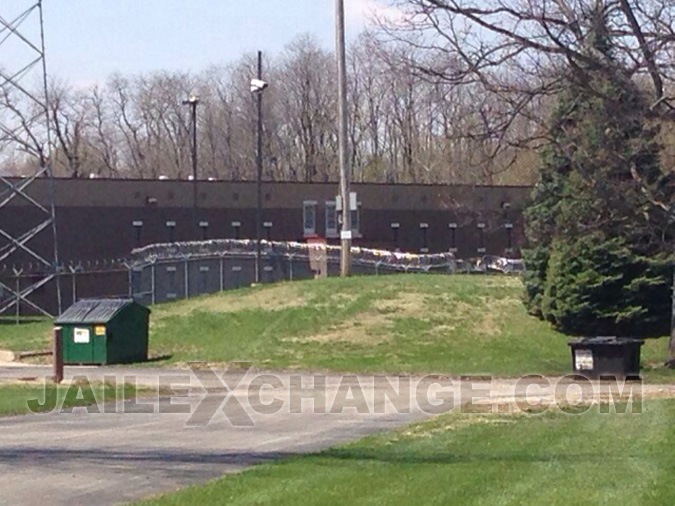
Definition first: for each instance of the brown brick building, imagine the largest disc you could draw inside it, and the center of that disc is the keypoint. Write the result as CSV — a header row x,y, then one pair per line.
x,y
103,219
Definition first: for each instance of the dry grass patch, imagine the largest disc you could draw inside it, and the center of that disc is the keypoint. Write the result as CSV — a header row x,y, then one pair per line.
x,y
368,328
460,314
281,296
444,424
501,282
483,319
405,304
375,325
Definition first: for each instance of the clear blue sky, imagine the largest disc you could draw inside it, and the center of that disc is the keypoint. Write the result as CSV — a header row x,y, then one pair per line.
x,y
87,40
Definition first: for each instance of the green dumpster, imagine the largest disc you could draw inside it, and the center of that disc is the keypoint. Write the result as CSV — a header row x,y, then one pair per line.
x,y
104,331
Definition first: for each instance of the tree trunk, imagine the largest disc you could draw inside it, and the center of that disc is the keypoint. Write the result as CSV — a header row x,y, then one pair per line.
x,y
671,344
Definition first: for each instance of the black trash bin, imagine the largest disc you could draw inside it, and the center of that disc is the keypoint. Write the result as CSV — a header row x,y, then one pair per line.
x,y
594,357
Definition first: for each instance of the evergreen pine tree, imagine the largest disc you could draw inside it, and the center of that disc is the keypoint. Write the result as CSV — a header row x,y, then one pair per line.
x,y
597,262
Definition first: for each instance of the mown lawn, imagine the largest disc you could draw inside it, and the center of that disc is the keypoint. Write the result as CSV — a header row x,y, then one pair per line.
x,y
550,459
14,398
30,335
459,324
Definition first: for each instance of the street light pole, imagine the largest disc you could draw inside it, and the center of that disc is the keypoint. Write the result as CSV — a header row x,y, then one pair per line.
x,y
193,101
346,232
259,167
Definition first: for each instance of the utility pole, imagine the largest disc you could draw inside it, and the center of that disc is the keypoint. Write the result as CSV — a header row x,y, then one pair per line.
x,y
346,232
259,166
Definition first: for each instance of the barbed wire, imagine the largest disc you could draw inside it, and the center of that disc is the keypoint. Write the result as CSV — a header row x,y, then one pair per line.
x,y
292,251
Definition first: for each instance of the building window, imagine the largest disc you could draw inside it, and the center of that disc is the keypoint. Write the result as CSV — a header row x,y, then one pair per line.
x,y
453,237
424,229
236,225
395,227
138,227
204,225
354,213
355,218
171,227
509,237
331,220
481,238
309,217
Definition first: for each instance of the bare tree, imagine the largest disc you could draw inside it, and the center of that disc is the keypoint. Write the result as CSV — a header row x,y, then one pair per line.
x,y
408,121
105,137
517,50
23,139
69,115
307,99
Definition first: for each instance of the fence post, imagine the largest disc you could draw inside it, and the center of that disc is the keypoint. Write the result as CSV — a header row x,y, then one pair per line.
x,y
57,354
130,281
152,283
222,281
18,299
187,280
74,285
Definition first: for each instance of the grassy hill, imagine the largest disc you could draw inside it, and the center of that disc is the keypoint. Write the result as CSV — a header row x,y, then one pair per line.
x,y
460,324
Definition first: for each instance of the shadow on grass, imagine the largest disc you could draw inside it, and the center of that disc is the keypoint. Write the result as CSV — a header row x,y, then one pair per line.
x,y
463,458
158,358
29,456
181,462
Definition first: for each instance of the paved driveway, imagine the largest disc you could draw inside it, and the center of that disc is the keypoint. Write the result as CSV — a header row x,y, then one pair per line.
x,y
107,458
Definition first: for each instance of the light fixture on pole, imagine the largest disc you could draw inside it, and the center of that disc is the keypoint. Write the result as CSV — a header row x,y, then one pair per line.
x,y
257,88
193,101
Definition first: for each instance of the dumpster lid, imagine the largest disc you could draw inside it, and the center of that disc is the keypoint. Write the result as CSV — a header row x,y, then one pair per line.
x,y
607,340
93,311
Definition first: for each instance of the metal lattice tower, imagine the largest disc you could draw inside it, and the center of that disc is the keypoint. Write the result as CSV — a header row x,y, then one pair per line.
x,y
25,156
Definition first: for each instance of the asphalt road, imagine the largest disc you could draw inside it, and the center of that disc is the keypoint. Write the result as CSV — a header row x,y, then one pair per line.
x,y
107,458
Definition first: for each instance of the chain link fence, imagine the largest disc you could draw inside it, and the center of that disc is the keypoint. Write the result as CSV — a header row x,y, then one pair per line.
x,y
79,280
163,272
